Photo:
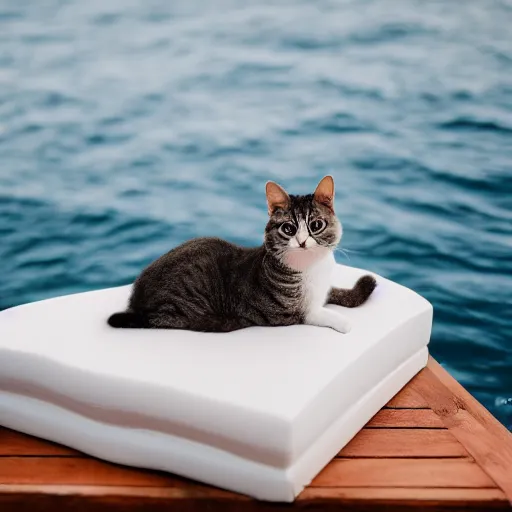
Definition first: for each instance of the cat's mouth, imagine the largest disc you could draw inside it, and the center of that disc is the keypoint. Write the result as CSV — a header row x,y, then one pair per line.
x,y
301,245
302,248
300,258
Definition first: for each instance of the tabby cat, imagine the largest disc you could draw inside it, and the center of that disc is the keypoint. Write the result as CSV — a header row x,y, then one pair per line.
x,y
211,285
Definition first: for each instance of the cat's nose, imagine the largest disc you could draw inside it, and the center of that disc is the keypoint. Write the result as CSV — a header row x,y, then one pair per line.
x,y
302,237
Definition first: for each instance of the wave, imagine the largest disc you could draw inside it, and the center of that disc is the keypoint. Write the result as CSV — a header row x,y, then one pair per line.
x,y
471,124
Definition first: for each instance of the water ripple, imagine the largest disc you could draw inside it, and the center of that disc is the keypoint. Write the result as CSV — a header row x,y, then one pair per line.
x,y
468,124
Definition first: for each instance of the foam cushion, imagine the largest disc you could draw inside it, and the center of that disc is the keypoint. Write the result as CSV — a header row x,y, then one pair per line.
x,y
258,411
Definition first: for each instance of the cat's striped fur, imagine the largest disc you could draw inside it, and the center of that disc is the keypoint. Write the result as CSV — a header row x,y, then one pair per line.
x,y
208,284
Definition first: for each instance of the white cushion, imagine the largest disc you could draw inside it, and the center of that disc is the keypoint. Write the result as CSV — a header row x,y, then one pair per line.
x,y
258,411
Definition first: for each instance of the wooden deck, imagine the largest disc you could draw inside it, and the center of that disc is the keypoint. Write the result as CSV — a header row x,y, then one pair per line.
x,y
432,447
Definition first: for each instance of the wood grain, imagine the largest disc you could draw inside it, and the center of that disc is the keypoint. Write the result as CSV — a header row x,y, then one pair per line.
x,y
397,494
356,493
405,418
407,398
15,443
403,473
152,499
482,435
182,492
404,443
78,471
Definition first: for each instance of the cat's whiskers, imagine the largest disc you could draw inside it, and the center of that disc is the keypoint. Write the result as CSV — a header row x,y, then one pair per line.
x,y
353,251
343,251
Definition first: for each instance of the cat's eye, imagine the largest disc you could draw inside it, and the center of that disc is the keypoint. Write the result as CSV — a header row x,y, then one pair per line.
x,y
288,229
317,226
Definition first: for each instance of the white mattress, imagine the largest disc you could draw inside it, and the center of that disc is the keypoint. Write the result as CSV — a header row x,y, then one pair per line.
x,y
259,411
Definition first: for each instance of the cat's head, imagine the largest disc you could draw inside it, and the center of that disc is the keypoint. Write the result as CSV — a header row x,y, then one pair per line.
x,y
302,229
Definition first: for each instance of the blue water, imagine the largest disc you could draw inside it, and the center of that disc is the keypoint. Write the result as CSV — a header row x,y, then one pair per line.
x,y
128,127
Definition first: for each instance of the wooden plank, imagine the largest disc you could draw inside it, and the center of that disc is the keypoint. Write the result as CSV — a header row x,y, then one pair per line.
x,y
489,442
178,493
15,443
78,471
404,443
405,418
407,398
403,473
143,499
461,496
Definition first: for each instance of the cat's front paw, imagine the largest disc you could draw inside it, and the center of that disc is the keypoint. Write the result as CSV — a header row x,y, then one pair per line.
x,y
341,324
328,318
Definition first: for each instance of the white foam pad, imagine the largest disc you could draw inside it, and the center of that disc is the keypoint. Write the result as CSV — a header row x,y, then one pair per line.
x,y
258,411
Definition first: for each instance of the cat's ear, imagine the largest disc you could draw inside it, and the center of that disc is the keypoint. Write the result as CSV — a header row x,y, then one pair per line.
x,y
276,197
324,193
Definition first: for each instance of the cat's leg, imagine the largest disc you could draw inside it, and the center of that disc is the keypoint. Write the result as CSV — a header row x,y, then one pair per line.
x,y
325,317
353,297
223,324
167,320
200,322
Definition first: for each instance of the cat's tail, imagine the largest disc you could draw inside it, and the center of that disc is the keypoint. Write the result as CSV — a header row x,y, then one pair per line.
x,y
126,320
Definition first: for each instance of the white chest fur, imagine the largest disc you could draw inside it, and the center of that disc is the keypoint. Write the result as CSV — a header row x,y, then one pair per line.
x,y
317,281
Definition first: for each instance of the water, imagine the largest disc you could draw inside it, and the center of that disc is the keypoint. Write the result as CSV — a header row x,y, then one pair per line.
x,y
128,127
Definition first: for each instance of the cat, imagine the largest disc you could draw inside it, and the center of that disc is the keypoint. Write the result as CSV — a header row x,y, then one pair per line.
x,y
210,285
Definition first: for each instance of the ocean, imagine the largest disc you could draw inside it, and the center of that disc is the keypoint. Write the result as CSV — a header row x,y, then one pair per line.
x,y
128,127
